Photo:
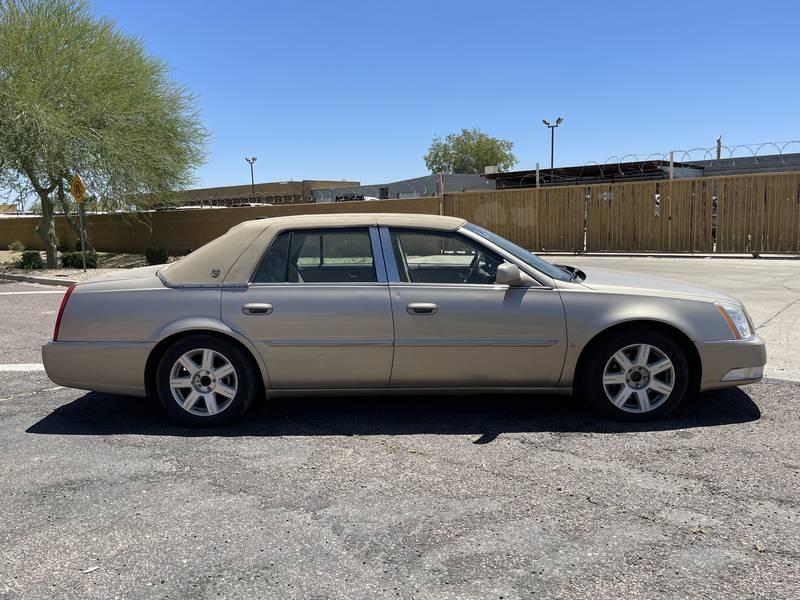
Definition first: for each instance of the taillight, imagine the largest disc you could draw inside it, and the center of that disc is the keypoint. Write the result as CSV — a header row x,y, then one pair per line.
x,y
61,311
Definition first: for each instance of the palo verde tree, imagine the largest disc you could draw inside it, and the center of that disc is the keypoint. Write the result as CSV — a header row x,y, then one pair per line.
x,y
469,152
78,96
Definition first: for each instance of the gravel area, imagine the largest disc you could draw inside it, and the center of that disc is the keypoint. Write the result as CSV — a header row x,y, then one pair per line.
x,y
109,262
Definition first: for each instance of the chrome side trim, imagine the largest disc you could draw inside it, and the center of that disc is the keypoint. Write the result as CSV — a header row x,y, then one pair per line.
x,y
470,286
441,343
328,343
306,286
494,343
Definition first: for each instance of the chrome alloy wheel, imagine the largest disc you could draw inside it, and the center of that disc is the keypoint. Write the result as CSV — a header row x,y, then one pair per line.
x,y
638,378
203,382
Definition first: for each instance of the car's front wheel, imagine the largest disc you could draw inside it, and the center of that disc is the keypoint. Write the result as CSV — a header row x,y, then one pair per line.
x,y
636,376
205,380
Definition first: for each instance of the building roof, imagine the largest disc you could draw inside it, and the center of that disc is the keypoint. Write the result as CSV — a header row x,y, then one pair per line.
x,y
591,173
647,170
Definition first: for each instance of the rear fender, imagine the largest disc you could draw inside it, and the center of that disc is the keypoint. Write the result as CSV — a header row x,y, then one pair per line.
x,y
201,324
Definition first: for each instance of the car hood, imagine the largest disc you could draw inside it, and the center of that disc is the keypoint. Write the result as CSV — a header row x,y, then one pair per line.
x,y
620,282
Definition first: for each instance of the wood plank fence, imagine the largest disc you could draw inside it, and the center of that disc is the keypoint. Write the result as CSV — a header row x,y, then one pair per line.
x,y
540,219
759,213
653,216
734,214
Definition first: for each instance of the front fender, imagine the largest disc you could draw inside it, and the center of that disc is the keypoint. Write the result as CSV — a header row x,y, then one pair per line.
x,y
589,314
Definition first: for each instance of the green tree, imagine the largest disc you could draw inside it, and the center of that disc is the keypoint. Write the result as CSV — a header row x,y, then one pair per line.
x,y
469,152
78,96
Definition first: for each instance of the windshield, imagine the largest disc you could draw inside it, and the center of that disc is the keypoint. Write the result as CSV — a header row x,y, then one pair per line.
x,y
518,251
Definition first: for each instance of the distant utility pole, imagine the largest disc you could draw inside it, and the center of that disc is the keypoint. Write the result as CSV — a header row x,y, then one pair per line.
x,y
252,177
552,128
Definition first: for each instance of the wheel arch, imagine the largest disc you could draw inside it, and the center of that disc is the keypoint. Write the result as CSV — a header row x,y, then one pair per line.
x,y
680,337
175,333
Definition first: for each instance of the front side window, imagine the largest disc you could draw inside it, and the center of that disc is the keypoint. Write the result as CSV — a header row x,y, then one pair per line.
x,y
519,252
425,256
318,256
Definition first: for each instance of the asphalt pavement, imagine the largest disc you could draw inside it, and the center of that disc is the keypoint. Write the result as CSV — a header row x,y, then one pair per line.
x,y
425,497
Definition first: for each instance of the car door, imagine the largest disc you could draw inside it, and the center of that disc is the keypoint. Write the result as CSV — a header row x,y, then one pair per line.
x,y
454,327
318,310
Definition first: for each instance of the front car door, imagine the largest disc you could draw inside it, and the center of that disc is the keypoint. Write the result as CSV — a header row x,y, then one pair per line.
x,y
454,327
318,310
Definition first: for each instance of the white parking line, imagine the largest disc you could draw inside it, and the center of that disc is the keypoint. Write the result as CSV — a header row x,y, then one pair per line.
x,y
22,367
33,292
25,394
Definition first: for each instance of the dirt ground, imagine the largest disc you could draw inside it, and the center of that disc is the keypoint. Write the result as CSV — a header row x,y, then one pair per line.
x,y
108,261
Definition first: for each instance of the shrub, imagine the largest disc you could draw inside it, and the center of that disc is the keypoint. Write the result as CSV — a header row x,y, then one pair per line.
x,y
16,246
156,256
31,259
73,260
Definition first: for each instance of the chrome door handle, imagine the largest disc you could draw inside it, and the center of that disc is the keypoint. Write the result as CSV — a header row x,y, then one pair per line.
x,y
256,309
422,308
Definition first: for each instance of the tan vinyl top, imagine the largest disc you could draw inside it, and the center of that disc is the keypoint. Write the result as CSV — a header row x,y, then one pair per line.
x,y
242,246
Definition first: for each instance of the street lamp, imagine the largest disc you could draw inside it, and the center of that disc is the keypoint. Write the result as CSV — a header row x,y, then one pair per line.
x,y
252,178
552,127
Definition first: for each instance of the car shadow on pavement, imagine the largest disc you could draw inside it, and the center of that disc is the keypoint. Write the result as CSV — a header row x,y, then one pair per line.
x,y
486,416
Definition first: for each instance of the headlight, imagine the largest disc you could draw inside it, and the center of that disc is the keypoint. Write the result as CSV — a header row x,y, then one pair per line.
x,y
736,319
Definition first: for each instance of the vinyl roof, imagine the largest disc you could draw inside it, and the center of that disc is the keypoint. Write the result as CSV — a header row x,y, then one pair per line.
x,y
210,264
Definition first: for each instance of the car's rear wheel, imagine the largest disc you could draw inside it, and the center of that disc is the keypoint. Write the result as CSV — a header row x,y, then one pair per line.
x,y
205,380
636,376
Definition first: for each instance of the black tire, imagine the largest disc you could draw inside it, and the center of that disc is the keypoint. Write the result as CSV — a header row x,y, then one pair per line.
x,y
594,389
246,378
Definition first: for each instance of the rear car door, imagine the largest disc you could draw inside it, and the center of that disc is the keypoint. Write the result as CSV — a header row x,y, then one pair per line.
x,y
455,327
318,310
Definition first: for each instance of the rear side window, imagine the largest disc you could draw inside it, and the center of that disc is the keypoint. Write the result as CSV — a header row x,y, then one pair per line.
x,y
318,256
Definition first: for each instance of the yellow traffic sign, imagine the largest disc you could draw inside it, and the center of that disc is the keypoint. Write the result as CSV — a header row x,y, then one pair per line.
x,y
77,188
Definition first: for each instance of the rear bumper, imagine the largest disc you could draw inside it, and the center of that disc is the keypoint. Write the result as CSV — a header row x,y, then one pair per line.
x,y
731,363
112,367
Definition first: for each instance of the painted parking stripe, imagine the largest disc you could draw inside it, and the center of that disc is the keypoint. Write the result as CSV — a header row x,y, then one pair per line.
x,y
33,292
22,367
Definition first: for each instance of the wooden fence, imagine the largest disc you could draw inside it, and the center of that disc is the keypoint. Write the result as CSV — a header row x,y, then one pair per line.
x,y
180,231
741,214
539,219
759,213
653,216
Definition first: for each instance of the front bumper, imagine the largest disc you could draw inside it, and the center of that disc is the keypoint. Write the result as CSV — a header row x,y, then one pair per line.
x,y
111,367
732,362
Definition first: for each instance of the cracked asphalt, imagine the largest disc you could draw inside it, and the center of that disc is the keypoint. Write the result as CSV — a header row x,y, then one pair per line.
x,y
425,497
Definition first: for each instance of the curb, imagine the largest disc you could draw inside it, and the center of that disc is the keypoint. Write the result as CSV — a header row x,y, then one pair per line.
x,y
39,280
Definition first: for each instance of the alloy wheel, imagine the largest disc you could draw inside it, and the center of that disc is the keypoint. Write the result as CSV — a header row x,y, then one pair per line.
x,y
638,378
203,382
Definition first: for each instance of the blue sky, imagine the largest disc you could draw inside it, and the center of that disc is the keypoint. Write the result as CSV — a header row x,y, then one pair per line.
x,y
357,90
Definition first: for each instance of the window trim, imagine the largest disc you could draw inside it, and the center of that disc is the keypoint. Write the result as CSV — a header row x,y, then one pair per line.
x,y
375,247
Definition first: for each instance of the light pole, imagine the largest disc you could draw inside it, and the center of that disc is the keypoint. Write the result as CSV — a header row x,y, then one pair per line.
x,y
252,178
552,128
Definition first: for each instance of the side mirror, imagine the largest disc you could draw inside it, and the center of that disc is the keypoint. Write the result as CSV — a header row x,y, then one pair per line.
x,y
508,274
